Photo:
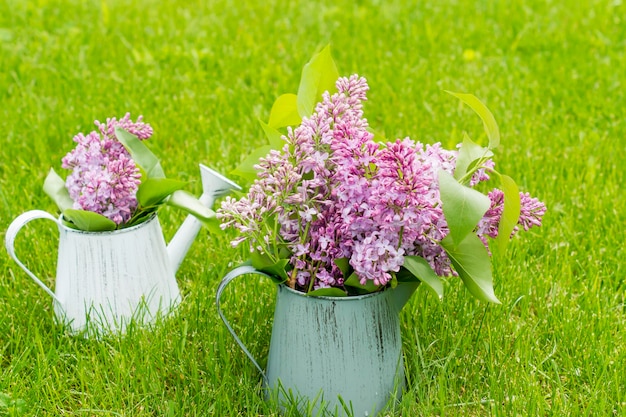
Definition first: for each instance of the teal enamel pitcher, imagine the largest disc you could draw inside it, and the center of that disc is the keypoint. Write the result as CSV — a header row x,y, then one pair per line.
x,y
338,354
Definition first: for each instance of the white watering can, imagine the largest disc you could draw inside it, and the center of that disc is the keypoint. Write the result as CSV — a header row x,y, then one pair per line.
x,y
106,279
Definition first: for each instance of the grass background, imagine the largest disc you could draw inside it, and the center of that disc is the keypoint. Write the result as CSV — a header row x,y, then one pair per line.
x,y
202,73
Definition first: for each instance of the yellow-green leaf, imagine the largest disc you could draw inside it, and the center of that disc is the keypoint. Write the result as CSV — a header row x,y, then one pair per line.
x,y
246,167
285,112
469,153
421,269
510,213
89,221
140,153
473,264
274,137
355,282
190,204
318,75
276,270
54,187
489,122
154,190
463,207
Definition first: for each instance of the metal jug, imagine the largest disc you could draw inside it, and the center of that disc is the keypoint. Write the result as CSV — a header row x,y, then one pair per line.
x,y
344,354
106,279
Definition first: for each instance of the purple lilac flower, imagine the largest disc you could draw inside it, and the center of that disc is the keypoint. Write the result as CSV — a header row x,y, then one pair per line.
x,y
139,128
408,173
531,213
332,192
104,178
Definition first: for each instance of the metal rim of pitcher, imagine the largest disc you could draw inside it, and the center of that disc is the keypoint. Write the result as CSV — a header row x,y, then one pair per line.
x,y
330,298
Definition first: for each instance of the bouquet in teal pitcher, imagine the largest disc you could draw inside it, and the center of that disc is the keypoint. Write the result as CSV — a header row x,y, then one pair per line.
x,y
335,211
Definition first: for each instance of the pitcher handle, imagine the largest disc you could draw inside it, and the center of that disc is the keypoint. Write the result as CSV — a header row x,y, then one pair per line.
x,y
9,242
241,270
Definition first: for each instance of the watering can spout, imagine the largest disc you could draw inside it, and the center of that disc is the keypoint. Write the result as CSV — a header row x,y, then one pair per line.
x,y
403,292
214,185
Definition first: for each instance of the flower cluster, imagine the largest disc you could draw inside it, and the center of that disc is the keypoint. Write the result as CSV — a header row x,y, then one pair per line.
x,y
334,193
104,178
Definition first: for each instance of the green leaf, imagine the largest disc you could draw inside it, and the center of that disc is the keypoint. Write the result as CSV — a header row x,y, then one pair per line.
x,y
274,136
510,213
422,270
260,260
264,263
54,187
403,275
469,153
277,270
153,191
318,75
140,154
327,292
355,282
190,204
246,168
473,264
489,122
344,266
285,112
187,202
463,207
403,290
88,220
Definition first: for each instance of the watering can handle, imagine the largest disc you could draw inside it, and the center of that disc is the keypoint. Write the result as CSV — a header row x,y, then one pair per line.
x,y
9,242
241,270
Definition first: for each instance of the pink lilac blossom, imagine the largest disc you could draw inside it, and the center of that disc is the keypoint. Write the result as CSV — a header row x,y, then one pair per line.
x,y
332,192
531,212
104,178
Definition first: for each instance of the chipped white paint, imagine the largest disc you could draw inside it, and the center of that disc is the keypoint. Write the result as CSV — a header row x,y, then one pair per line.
x,y
105,279
323,348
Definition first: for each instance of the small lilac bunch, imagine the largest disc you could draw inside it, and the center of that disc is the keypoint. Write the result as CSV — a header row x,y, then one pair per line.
x,y
333,193
104,178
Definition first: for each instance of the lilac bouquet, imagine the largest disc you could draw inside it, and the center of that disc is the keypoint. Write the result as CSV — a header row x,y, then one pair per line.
x,y
335,212
114,180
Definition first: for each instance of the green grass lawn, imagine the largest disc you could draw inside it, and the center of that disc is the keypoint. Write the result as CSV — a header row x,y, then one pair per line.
x,y
202,72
